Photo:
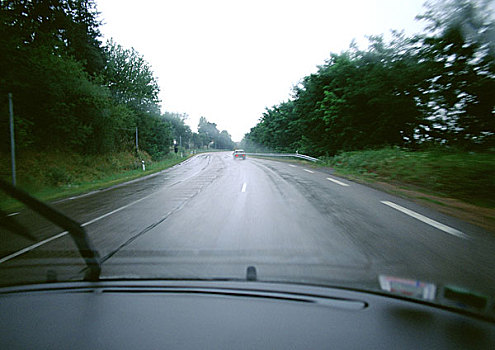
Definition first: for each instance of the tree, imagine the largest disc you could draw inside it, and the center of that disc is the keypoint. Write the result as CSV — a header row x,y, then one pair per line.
x,y
129,77
68,28
357,99
70,93
155,135
180,130
460,50
370,97
50,55
224,140
197,141
208,134
435,87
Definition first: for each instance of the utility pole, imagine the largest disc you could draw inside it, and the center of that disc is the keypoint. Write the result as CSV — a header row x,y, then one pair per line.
x,y
180,140
12,142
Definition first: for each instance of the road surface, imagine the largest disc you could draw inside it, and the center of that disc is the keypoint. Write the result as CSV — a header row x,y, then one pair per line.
x,y
212,216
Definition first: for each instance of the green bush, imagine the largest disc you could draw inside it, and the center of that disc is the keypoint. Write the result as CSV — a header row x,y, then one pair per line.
x,y
468,176
58,176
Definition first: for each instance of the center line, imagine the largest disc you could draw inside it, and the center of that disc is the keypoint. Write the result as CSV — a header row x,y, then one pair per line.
x,y
337,181
427,220
309,171
244,185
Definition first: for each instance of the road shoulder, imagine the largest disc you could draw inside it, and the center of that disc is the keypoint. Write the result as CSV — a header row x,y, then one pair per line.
x,y
473,214
476,215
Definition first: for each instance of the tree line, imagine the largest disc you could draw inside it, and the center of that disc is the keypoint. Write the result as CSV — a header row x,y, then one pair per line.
x,y
437,87
72,92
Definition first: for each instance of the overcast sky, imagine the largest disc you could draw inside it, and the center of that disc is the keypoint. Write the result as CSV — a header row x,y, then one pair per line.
x,y
228,60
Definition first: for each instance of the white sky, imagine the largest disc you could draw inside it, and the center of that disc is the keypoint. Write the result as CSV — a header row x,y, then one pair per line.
x,y
228,60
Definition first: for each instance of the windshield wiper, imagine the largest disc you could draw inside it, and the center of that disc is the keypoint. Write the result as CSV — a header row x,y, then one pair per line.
x,y
75,230
13,226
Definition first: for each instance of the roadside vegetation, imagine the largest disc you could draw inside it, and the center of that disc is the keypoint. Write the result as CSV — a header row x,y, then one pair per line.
x,y
81,105
414,110
56,176
467,176
74,93
435,88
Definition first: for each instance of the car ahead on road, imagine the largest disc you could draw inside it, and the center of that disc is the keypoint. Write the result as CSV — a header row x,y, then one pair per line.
x,y
239,154
103,306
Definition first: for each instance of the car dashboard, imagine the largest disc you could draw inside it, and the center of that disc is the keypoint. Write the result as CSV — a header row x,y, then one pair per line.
x,y
225,315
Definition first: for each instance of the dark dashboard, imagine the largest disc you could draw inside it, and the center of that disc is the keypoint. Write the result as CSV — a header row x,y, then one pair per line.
x,y
226,315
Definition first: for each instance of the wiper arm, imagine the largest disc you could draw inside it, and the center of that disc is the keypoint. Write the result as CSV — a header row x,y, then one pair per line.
x,y
76,231
13,226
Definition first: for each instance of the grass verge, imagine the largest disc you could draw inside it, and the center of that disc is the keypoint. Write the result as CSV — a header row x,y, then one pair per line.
x,y
51,176
458,183
466,176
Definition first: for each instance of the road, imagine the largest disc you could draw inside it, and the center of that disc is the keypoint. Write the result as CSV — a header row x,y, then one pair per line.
x,y
212,216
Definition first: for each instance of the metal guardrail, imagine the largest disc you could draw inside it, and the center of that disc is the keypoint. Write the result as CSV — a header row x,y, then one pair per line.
x,y
295,155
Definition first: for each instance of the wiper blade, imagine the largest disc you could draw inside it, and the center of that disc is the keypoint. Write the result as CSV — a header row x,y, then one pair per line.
x,y
13,226
75,230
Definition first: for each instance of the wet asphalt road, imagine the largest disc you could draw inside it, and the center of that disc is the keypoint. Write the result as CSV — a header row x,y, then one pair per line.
x,y
212,216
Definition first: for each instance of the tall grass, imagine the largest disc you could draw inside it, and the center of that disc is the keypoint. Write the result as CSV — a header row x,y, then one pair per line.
x,y
51,175
468,176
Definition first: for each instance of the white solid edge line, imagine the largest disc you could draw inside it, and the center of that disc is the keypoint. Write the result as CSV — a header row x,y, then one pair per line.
x,y
309,171
36,245
116,210
126,182
244,185
427,220
31,247
337,181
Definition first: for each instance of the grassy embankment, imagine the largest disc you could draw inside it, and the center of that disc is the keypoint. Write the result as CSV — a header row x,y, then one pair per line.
x,y
49,176
448,180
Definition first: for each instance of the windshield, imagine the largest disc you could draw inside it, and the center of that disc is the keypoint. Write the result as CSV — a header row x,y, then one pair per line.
x,y
335,144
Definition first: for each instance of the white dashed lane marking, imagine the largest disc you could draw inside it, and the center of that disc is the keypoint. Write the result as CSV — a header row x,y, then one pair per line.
x,y
427,220
337,182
